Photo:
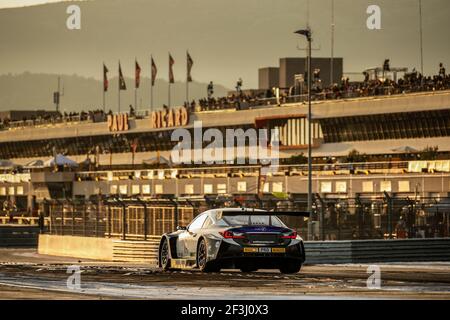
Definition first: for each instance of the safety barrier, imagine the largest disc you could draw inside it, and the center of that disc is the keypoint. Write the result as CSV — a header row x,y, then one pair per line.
x,y
136,251
25,221
377,251
317,252
18,236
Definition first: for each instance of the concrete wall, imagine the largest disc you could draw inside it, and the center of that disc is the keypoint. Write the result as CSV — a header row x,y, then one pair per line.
x,y
317,252
78,247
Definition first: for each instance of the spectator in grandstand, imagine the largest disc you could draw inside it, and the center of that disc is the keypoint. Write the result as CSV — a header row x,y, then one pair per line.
x,y
41,222
387,65
239,86
132,112
441,71
210,90
366,76
400,229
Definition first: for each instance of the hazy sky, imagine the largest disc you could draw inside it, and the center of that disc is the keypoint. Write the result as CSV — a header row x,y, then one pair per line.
x,y
228,39
22,3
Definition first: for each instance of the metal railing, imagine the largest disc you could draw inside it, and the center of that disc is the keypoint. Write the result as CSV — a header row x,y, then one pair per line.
x,y
335,168
386,217
127,219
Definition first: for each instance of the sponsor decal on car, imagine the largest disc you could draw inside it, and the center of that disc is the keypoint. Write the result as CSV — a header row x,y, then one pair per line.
x,y
264,250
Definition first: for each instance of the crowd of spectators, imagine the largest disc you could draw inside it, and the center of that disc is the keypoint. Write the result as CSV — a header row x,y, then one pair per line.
x,y
240,101
54,118
411,82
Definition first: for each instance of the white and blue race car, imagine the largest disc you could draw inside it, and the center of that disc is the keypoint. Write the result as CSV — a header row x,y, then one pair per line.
x,y
245,239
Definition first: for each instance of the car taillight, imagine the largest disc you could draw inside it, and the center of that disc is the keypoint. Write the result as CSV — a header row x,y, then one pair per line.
x,y
292,235
231,235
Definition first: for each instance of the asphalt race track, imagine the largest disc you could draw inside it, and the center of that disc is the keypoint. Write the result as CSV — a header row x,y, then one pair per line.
x,y
26,275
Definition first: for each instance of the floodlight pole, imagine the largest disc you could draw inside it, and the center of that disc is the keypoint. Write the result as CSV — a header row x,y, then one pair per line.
x,y
421,39
307,34
332,44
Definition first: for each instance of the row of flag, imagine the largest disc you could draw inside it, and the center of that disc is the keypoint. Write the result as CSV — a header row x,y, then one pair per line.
x,y
138,70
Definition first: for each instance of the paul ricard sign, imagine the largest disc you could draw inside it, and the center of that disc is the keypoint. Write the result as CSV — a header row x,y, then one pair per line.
x,y
118,122
170,118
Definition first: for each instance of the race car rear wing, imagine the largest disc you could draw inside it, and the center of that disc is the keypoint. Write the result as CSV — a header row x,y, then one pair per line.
x,y
250,212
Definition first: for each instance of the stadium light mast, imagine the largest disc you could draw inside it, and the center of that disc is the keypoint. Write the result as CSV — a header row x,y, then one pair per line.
x,y
307,34
332,44
421,38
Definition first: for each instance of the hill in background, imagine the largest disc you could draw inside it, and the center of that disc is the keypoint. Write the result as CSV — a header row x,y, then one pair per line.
x,y
29,91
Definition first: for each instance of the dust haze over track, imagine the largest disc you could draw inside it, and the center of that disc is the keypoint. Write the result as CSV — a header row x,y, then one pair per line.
x,y
28,274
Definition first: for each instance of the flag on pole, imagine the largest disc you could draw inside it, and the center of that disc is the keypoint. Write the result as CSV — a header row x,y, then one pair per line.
x,y
190,63
171,63
105,78
154,72
137,75
122,84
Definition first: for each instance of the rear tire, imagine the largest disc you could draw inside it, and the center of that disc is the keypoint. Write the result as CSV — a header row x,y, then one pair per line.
x,y
202,256
290,268
164,255
202,259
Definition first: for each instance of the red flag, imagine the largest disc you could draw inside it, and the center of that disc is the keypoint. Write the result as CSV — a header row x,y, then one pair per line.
x,y
138,75
171,63
122,84
154,72
190,63
105,78
134,145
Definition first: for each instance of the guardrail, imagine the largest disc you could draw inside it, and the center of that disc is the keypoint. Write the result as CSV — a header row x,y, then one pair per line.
x,y
25,221
377,251
13,236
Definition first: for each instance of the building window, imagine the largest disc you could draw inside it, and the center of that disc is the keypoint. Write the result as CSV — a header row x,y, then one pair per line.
x,y
135,189
19,191
403,186
221,188
123,189
208,189
2,191
113,189
189,189
385,186
367,186
146,189
11,191
326,187
341,187
277,187
266,187
242,186
159,189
